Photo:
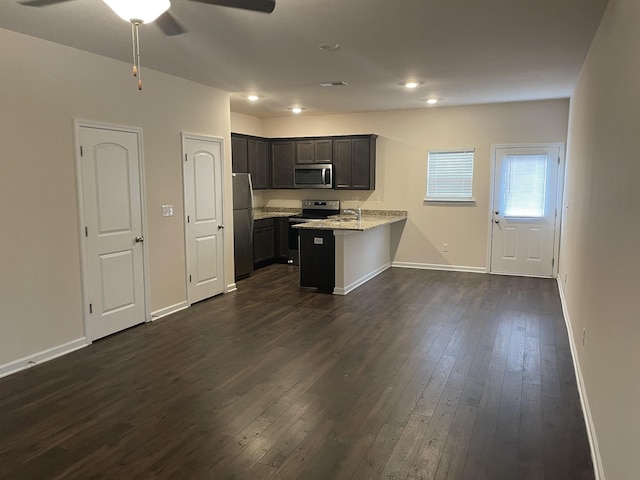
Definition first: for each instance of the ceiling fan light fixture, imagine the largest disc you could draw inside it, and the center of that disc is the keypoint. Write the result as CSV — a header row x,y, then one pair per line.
x,y
143,11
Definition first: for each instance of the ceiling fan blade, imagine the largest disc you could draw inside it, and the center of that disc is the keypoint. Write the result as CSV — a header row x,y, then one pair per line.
x,y
265,6
41,3
169,25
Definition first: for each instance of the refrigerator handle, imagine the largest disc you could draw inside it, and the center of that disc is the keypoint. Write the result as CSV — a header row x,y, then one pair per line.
x,y
251,225
251,208
251,190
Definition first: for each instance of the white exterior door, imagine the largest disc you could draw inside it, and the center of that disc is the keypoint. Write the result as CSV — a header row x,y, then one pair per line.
x,y
112,212
525,209
203,215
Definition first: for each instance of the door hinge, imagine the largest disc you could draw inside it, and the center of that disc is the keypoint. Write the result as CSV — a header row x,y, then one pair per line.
x,y
188,218
189,278
90,308
558,159
86,231
81,151
553,262
185,157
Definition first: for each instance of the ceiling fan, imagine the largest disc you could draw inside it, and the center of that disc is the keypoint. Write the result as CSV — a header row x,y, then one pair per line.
x,y
146,11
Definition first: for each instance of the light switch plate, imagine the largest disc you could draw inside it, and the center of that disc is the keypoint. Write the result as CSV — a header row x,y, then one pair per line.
x,y
167,210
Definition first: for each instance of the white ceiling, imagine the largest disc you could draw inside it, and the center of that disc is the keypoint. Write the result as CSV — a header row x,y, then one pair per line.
x,y
465,51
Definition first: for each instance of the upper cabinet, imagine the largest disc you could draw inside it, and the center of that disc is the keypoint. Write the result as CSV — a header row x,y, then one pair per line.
x,y
258,161
314,150
251,155
282,163
271,162
354,160
239,154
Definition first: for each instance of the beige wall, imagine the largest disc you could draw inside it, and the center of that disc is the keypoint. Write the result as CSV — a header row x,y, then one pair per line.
x,y
241,123
44,87
405,138
600,251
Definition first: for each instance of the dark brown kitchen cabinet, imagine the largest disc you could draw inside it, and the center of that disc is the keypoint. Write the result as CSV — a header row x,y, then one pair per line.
x,y
239,154
282,163
314,151
354,160
263,241
282,239
270,241
251,155
258,162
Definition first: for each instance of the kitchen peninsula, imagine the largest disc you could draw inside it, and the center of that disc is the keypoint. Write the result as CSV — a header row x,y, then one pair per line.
x,y
339,254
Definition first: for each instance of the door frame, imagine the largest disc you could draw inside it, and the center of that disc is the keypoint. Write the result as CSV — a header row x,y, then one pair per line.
x,y
559,200
84,274
184,136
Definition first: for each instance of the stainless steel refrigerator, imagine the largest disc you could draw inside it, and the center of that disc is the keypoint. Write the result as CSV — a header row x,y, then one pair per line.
x,y
242,224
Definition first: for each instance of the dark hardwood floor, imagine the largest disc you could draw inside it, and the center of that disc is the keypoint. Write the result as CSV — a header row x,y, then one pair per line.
x,y
415,375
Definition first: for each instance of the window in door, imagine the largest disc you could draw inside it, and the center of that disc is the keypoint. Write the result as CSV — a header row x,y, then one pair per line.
x,y
525,184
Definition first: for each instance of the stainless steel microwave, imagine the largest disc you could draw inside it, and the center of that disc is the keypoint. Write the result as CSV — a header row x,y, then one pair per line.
x,y
313,176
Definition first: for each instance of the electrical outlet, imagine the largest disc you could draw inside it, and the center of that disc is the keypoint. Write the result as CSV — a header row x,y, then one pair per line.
x,y
167,210
445,247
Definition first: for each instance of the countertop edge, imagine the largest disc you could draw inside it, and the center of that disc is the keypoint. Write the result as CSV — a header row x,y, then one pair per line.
x,y
367,223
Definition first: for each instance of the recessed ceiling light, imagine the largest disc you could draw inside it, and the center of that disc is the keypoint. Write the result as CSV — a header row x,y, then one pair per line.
x,y
253,98
412,85
432,101
296,109
328,47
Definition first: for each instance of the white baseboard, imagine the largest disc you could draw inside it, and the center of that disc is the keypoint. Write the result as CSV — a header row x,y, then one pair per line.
x,y
353,285
163,312
437,266
232,287
588,419
43,356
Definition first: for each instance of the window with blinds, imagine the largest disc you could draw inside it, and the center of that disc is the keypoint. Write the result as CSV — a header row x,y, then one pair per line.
x,y
525,185
450,176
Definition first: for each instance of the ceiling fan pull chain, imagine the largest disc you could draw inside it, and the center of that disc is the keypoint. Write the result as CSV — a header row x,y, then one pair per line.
x,y
138,56
133,43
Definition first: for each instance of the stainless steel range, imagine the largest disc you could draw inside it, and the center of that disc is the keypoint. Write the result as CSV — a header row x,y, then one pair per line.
x,y
312,210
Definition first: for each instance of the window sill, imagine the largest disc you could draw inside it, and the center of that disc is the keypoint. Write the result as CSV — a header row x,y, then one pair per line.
x,y
431,201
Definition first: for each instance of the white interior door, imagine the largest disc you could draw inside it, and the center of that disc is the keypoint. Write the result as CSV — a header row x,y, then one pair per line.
x,y
203,215
525,207
112,214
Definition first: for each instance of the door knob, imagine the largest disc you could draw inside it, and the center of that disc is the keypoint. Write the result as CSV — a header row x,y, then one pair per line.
x,y
220,227
139,239
497,221
497,212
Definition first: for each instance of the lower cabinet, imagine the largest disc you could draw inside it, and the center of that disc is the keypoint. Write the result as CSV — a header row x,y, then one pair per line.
x,y
282,239
263,241
270,241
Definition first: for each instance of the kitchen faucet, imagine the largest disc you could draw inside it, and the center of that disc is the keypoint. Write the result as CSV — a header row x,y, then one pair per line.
x,y
354,211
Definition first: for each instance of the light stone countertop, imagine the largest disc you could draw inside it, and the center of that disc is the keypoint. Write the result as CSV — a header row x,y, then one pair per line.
x,y
261,213
370,219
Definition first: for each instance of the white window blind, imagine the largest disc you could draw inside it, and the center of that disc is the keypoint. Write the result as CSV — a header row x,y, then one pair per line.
x,y
525,185
450,176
